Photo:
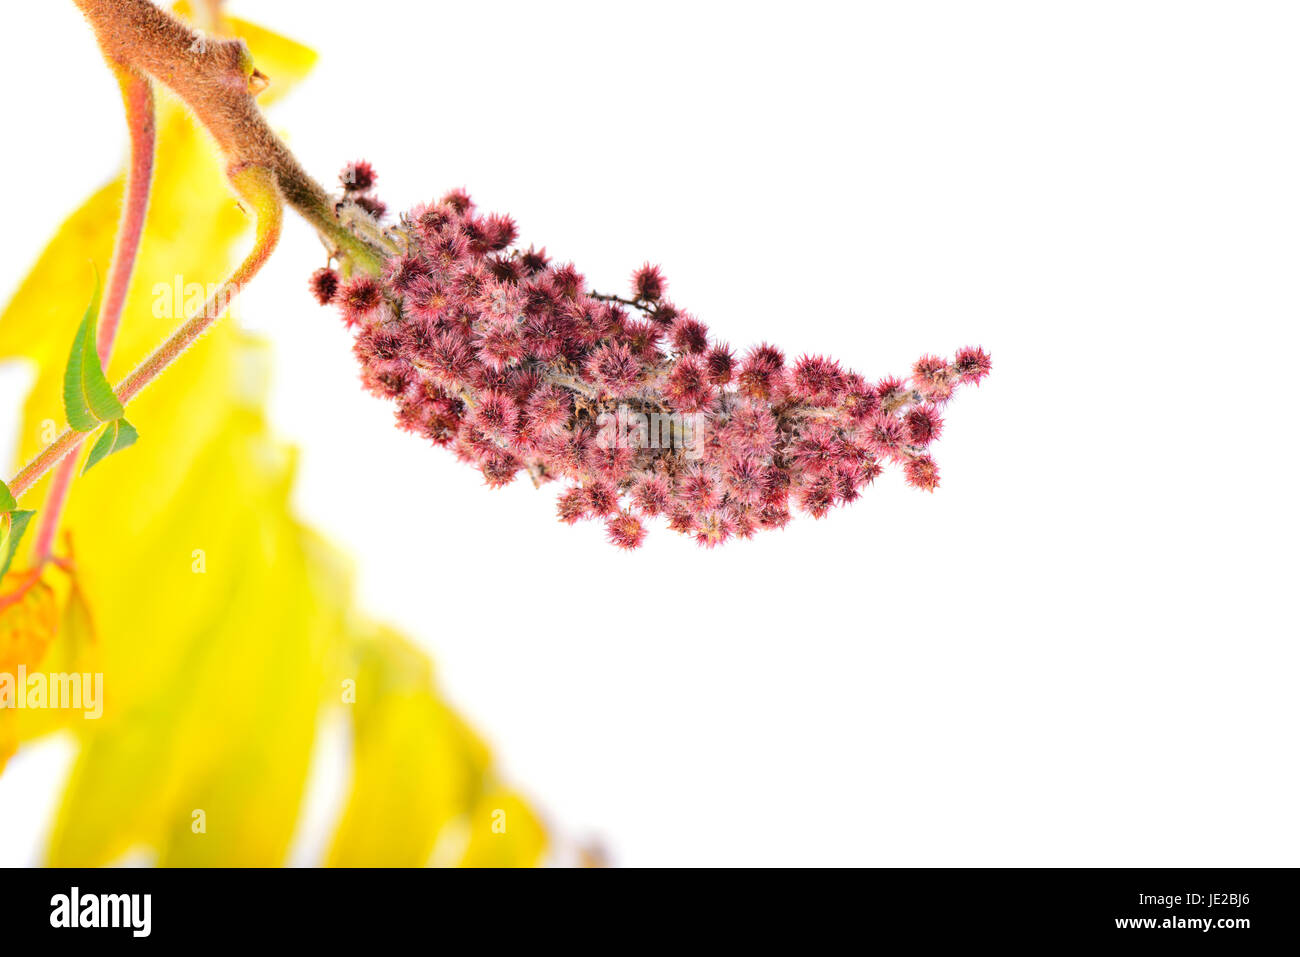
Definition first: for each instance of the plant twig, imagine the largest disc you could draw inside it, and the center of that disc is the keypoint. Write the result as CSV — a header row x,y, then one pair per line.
x,y
216,78
137,98
257,187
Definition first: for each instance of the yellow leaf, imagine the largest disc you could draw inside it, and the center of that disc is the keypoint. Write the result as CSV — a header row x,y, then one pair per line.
x,y
29,618
28,624
72,649
414,762
504,832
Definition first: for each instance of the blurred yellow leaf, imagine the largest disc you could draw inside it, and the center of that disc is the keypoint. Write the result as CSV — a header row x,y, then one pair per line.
x,y
28,620
413,761
503,832
222,626
284,62
29,615
63,644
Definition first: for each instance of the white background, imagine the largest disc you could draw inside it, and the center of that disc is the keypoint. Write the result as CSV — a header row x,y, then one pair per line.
x,y
1080,651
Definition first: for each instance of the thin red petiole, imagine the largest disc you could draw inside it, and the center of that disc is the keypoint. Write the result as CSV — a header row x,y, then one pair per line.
x,y
138,100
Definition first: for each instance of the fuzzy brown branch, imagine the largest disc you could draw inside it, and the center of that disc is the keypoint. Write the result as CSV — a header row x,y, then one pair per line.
x,y
217,80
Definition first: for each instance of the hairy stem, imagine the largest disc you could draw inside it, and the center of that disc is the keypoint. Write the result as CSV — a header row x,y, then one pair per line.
x,y
137,99
45,459
49,517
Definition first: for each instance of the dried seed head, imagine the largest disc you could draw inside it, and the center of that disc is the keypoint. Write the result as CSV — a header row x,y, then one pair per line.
x,y
506,359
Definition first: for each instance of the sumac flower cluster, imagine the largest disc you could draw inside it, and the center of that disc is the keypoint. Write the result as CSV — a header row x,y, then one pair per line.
x,y
509,360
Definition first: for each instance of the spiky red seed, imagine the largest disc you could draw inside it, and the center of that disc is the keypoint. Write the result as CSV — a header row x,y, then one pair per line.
x,y
324,285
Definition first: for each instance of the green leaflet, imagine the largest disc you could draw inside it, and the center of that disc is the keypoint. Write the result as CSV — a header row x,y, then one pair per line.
x,y
116,436
88,398
12,526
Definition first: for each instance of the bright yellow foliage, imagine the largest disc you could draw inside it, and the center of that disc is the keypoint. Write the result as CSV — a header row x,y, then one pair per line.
x,y
223,627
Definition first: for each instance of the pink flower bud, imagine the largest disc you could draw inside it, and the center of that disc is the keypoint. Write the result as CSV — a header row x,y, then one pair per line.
x,y
973,364
922,473
324,285
648,283
358,177
625,530
922,424
689,335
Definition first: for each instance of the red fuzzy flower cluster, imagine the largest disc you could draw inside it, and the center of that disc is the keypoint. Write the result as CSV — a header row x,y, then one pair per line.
x,y
509,360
